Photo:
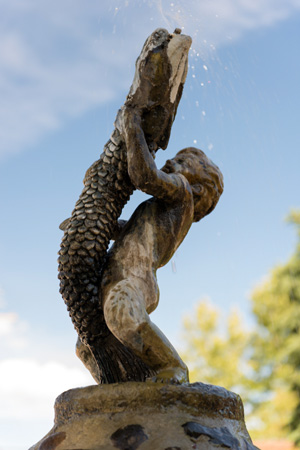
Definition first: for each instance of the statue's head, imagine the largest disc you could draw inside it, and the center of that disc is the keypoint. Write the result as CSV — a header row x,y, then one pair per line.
x,y
204,176
156,90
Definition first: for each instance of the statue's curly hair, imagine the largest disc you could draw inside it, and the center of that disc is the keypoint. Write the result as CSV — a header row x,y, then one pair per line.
x,y
210,185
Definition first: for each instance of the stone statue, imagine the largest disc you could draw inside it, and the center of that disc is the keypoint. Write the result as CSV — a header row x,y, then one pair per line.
x,y
110,294
156,91
142,126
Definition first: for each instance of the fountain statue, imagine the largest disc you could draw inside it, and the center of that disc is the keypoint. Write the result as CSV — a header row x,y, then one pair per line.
x,y
143,398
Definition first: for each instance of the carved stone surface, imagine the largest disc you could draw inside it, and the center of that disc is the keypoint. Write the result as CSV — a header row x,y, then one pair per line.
x,y
110,294
148,416
155,93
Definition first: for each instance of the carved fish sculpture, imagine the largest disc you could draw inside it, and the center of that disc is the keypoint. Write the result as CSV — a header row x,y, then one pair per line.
x,y
156,91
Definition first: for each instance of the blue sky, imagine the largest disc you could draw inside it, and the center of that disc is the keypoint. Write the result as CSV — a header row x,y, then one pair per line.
x,y
65,69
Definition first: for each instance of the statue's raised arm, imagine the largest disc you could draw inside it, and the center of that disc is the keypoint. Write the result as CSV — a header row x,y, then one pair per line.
x,y
142,169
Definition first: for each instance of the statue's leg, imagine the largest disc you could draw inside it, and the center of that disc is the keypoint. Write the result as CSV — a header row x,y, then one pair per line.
x,y
126,317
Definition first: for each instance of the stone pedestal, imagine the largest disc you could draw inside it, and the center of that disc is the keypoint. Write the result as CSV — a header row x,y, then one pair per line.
x,y
148,416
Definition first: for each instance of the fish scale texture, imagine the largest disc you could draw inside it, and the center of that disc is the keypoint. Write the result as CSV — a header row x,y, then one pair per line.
x,y
107,188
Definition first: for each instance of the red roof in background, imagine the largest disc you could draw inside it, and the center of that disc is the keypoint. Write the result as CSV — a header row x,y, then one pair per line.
x,y
274,445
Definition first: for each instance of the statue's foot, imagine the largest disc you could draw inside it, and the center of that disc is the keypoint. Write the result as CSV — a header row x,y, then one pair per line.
x,y
171,375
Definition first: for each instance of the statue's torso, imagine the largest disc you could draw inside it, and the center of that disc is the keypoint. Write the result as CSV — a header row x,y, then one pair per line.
x,y
147,242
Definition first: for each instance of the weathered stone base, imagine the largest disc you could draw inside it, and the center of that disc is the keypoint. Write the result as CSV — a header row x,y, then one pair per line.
x,y
148,416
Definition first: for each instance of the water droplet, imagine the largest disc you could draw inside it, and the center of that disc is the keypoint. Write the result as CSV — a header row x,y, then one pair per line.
x,y
193,76
203,113
210,146
205,67
197,103
174,269
195,141
202,84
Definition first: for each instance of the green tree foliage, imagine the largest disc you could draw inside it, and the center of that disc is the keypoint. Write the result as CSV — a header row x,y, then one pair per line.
x,y
276,305
262,365
216,354
219,352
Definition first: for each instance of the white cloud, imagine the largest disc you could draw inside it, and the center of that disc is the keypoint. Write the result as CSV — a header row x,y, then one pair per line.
x,y
218,22
54,65
12,332
28,388
59,58
29,385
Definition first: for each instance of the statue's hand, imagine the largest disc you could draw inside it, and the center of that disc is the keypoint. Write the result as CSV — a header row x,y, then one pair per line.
x,y
172,375
129,118
117,229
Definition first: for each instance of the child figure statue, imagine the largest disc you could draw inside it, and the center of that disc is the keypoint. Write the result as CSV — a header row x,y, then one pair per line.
x,y
186,189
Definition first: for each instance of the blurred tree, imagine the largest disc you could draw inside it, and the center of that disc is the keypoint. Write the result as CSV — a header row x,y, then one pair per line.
x,y
261,365
216,354
219,352
276,357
